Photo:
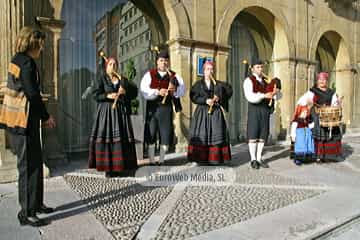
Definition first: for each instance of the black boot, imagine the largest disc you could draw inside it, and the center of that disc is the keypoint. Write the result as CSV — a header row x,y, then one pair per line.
x,y
264,164
44,209
31,220
254,164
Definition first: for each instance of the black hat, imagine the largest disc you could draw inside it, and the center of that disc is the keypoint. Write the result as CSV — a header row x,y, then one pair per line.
x,y
256,62
163,54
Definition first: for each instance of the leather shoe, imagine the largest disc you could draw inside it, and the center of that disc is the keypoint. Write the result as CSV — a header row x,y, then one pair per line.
x,y
264,164
297,162
32,221
44,209
255,164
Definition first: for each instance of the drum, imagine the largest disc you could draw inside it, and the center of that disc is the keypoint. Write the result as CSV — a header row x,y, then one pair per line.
x,y
330,116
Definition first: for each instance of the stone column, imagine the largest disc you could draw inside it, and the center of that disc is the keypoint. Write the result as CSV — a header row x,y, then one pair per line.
x,y
16,14
301,81
285,69
52,147
12,20
180,61
356,109
311,74
345,88
221,64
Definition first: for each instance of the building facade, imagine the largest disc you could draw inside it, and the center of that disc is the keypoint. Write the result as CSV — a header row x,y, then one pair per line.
x,y
135,44
107,31
298,38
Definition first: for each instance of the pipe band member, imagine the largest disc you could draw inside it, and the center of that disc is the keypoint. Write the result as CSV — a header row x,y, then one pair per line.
x,y
260,93
208,131
327,140
157,84
112,143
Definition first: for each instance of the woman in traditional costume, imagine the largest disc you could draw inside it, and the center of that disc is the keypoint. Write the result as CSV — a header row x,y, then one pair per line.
x,y
112,144
209,142
327,140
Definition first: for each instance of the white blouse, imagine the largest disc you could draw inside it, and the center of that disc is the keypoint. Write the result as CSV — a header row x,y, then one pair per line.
x,y
308,97
256,97
151,94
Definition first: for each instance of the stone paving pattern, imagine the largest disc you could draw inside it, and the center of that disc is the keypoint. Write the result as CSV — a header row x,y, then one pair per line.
x,y
245,175
120,205
202,209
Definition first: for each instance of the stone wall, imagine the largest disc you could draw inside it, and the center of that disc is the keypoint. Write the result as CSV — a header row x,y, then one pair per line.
x,y
294,27
293,30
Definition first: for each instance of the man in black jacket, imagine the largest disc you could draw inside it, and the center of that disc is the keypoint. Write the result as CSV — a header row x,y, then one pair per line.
x,y
23,80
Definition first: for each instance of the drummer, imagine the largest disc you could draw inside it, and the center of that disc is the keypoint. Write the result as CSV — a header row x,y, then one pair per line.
x,y
327,140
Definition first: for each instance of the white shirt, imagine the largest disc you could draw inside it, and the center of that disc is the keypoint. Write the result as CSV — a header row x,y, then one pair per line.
x,y
256,97
308,97
151,93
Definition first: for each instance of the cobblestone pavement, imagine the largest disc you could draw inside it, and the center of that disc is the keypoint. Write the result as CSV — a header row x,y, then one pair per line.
x,y
120,205
245,175
123,205
202,209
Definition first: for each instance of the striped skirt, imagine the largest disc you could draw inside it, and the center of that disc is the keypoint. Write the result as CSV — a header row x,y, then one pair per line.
x,y
209,154
208,137
112,145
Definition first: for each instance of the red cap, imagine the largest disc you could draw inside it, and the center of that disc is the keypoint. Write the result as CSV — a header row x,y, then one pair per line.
x,y
322,75
211,63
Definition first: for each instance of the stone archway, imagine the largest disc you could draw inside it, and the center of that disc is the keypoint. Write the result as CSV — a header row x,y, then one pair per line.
x,y
78,52
256,33
176,26
283,30
155,20
333,56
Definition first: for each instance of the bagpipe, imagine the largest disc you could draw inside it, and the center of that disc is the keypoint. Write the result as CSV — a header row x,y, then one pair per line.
x,y
173,84
271,85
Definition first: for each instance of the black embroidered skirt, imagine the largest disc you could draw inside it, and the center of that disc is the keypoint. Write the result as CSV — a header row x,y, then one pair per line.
x,y
112,145
208,137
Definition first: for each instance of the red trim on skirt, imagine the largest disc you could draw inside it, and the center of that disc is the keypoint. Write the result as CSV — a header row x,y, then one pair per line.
x,y
333,148
107,168
209,154
106,152
103,159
